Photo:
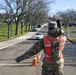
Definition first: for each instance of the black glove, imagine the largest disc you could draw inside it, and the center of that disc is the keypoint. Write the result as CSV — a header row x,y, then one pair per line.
x,y
18,59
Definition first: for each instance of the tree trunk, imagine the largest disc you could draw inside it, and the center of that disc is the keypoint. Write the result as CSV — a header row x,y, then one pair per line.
x,y
16,32
26,29
21,28
9,30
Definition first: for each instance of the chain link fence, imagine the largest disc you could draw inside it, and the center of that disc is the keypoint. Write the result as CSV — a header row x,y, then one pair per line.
x,y
69,52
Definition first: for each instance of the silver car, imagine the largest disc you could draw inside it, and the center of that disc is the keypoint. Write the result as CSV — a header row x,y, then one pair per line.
x,y
38,36
35,28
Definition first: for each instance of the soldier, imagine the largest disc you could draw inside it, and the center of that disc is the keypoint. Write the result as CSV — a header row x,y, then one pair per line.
x,y
53,61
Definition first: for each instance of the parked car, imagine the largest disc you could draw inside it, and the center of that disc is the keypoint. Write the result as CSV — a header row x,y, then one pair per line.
x,y
38,36
35,28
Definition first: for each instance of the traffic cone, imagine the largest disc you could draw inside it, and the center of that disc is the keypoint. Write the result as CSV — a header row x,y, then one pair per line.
x,y
35,60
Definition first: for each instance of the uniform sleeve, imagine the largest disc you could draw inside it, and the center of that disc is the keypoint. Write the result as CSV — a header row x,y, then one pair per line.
x,y
34,50
62,44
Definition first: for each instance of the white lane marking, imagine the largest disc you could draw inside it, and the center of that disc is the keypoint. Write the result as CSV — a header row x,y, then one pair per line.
x,y
15,64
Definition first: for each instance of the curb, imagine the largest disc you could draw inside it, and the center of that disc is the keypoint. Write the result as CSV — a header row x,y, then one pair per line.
x,y
9,43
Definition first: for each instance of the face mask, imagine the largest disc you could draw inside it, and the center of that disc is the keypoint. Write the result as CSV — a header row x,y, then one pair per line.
x,y
54,32
50,28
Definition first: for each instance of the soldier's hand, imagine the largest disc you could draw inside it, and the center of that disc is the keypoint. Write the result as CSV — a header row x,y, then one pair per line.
x,y
62,32
18,59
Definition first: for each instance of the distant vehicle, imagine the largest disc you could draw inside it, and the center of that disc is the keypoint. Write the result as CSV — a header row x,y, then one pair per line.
x,y
38,36
72,24
39,26
46,24
35,28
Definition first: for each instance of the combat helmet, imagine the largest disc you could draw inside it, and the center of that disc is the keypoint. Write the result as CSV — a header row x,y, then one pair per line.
x,y
53,30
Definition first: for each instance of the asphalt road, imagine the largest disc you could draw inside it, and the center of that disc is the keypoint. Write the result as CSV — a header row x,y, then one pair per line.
x,y
8,66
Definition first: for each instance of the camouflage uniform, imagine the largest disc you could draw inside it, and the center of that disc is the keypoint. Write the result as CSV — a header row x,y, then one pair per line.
x,y
48,68
52,68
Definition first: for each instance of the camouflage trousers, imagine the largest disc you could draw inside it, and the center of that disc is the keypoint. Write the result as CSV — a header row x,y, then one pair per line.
x,y
52,68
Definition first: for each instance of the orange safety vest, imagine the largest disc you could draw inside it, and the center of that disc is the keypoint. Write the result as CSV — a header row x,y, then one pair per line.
x,y
48,48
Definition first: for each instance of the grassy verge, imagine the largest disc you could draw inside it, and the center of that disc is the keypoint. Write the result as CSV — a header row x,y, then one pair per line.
x,y
72,31
4,32
73,39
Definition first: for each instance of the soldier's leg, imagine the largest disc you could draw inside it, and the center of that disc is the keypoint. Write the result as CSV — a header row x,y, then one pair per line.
x,y
46,68
46,72
59,73
60,69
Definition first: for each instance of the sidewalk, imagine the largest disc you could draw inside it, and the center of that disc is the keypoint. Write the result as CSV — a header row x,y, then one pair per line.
x,y
8,43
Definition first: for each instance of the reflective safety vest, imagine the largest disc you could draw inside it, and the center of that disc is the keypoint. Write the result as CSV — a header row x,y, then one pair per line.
x,y
48,48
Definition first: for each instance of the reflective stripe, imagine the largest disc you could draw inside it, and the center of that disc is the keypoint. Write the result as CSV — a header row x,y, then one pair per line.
x,y
50,44
47,55
47,45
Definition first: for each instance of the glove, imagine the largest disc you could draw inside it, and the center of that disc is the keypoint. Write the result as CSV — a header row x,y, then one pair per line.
x,y
18,59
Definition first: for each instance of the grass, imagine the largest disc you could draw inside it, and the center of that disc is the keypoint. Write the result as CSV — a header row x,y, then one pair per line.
x,y
73,39
4,32
72,31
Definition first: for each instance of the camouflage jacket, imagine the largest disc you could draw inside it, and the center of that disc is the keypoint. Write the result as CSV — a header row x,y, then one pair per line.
x,y
36,48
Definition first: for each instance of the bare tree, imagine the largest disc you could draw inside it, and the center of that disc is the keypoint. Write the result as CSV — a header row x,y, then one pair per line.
x,y
7,16
24,11
15,10
68,16
36,7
